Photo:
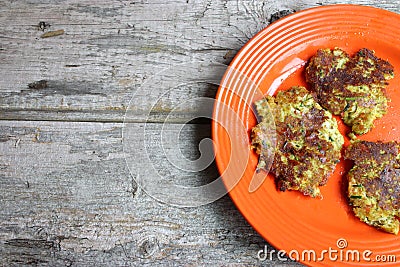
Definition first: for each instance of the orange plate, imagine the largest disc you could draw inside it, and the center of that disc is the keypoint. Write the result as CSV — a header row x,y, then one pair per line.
x,y
274,59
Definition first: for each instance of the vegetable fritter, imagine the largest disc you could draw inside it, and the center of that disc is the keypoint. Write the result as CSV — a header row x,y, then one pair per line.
x,y
308,142
374,183
352,87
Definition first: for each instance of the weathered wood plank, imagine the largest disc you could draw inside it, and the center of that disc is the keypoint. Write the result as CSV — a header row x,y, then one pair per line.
x,y
67,198
66,195
110,48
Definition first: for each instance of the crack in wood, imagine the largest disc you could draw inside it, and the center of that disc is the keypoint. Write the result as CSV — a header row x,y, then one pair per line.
x,y
31,243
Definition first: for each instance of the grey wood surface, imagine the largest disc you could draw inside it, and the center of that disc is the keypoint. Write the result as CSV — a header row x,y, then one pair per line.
x,y
68,72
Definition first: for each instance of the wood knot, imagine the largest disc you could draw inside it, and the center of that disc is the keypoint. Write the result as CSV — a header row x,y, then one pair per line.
x,y
42,84
280,14
147,246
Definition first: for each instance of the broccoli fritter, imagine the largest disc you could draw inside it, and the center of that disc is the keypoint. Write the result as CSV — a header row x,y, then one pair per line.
x,y
308,142
352,87
374,183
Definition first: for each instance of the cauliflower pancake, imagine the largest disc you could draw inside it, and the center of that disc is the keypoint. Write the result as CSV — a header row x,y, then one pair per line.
x,y
352,87
308,142
374,183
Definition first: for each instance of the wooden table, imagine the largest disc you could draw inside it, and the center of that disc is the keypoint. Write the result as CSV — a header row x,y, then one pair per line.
x,y
68,72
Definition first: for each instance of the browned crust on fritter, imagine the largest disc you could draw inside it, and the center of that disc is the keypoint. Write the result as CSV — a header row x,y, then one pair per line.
x,y
352,87
285,173
299,167
374,184
382,159
335,80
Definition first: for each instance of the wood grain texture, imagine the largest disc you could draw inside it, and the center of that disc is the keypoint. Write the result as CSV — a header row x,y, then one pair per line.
x,y
67,197
109,49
